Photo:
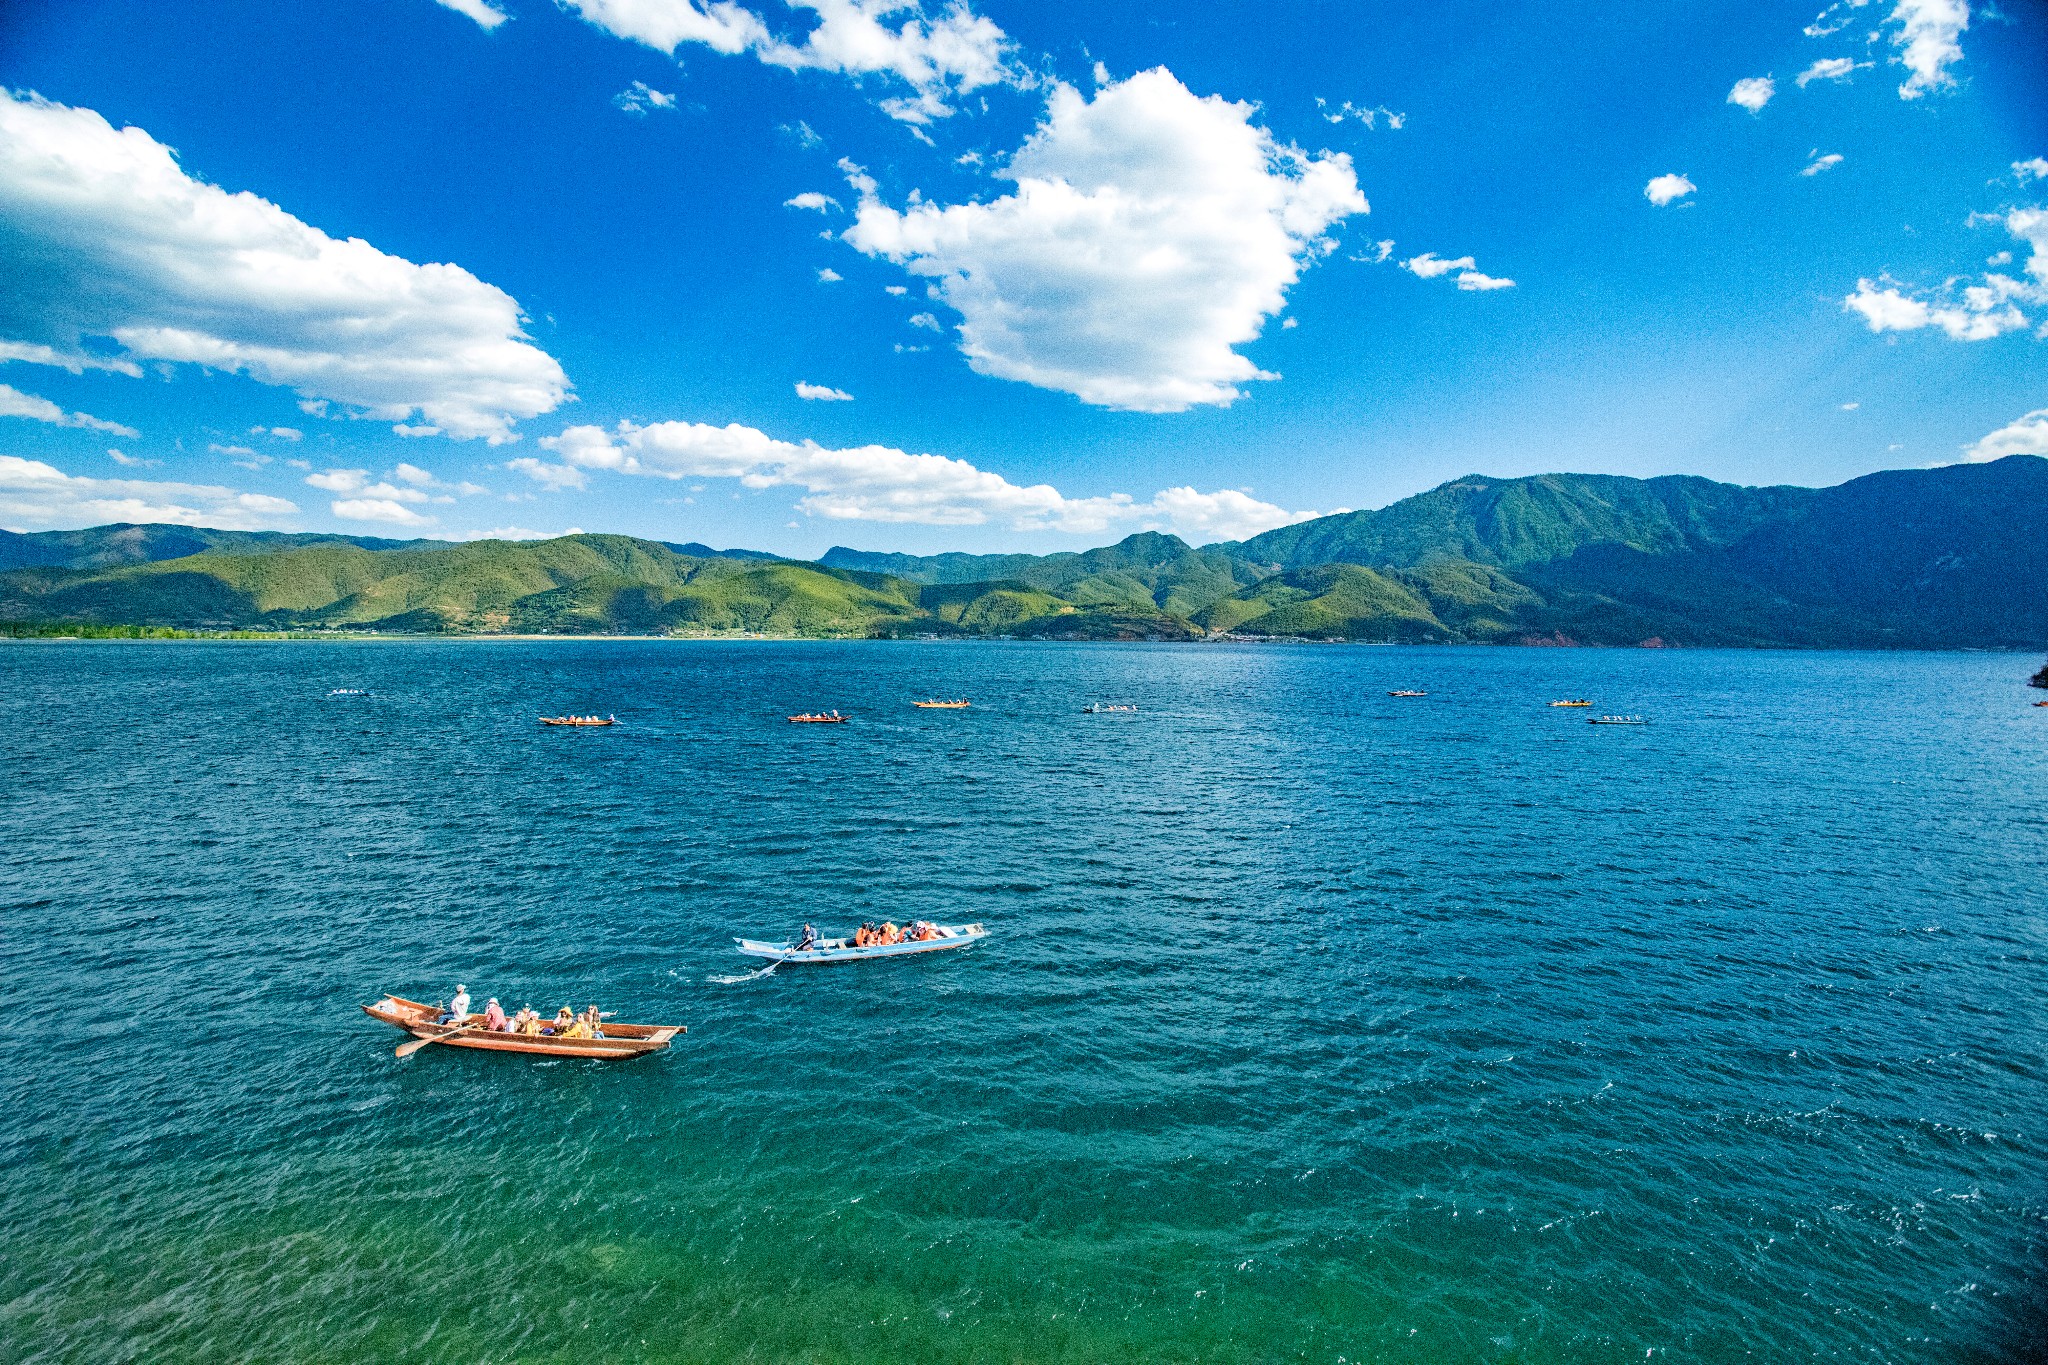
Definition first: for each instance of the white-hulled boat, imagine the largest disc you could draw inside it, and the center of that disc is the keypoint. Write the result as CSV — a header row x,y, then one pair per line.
x,y
842,949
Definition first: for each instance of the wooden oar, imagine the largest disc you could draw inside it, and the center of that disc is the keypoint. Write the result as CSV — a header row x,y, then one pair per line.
x,y
407,1049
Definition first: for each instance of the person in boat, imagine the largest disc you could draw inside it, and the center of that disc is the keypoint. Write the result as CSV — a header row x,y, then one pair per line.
x,y
564,1017
458,1008
890,934
594,1021
808,941
494,1017
527,1021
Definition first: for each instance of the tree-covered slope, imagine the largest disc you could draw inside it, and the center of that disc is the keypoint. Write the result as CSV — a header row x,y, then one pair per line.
x,y
1919,558
1512,523
97,547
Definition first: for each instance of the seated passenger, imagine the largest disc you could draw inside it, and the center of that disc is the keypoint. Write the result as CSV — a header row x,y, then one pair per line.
x,y
494,1017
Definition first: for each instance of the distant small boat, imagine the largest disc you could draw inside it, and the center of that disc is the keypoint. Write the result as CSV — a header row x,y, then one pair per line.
x,y
578,720
620,1040
1103,708
842,949
1571,703
1617,720
349,692
941,705
822,718
1406,692
2041,703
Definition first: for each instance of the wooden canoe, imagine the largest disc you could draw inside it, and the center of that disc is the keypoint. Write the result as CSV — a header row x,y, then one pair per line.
x,y
577,720
818,720
842,949
941,705
620,1040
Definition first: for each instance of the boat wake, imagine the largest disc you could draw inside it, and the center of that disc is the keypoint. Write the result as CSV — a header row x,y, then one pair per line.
x,y
718,980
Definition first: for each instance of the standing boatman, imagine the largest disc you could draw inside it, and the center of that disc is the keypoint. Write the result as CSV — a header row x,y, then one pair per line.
x,y
458,1008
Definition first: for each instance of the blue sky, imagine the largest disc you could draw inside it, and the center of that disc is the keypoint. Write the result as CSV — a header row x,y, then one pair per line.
x,y
449,267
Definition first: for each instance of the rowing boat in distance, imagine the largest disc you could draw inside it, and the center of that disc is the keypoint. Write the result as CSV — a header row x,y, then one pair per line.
x,y
1571,703
941,705
620,1040
579,720
1407,692
842,949
819,718
1617,720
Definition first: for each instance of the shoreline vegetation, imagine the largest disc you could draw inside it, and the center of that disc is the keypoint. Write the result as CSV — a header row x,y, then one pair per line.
x,y
1940,558
85,632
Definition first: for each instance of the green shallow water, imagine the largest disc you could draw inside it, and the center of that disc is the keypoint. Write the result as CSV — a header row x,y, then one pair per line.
x,y
1313,1025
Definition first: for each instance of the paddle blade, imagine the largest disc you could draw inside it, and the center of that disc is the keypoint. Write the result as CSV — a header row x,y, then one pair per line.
x,y
407,1049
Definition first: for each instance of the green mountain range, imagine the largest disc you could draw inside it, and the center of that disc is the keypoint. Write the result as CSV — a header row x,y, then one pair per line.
x,y
1951,557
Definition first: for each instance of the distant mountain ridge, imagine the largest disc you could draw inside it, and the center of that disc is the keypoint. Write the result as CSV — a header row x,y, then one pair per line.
x,y
1949,557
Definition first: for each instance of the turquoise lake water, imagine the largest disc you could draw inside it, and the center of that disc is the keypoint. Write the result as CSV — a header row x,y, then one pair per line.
x,y
1313,1024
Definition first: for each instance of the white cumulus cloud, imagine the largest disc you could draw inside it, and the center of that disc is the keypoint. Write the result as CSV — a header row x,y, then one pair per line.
x,y
15,403
1151,232
36,494
1928,36
388,510
1966,309
883,484
1821,163
1473,280
2033,168
109,238
1665,188
812,199
1429,267
487,16
1753,92
2027,435
515,533
820,393
553,477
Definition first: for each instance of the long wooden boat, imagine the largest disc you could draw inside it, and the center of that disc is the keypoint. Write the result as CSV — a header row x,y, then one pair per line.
x,y
941,705
842,949
808,719
620,1040
1407,692
578,720
1571,703
1617,720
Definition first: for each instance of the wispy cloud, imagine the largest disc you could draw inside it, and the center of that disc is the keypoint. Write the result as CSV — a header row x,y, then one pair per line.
x,y
15,403
1829,69
487,16
819,393
639,98
1821,163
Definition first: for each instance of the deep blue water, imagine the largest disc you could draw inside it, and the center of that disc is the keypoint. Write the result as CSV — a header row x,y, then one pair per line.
x,y
1313,1025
